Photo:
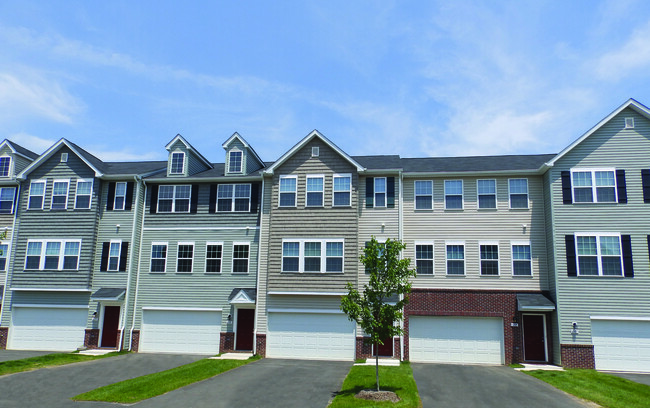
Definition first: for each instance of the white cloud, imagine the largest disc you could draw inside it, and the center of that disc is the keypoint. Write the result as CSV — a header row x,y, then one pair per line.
x,y
626,59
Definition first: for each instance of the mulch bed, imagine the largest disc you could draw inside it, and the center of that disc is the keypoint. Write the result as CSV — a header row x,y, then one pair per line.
x,y
374,395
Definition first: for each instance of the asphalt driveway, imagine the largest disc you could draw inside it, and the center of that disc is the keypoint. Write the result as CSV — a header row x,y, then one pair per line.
x,y
636,377
7,355
469,386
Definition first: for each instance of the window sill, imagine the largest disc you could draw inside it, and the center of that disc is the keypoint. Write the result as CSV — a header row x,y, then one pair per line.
x,y
519,209
425,275
599,276
212,273
423,210
156,273
522,276
455,276
454,209
183,273
490,276
240,273
487,209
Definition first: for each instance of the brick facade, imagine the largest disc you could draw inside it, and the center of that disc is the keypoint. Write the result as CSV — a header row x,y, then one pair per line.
x,y
227,342
578,356
364,350
260,345
135,340
91,338
4,333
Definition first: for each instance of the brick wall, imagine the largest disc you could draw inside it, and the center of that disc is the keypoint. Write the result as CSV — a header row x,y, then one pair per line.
x,y
364,350
4,332
260,345
227,342
578,356
135,340
91,338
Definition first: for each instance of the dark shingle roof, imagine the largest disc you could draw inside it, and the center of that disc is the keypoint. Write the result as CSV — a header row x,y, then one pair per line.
x,y
475,163
132,168
25,152
379,162
95,161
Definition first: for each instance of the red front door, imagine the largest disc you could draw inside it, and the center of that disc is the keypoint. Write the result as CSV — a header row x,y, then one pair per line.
x,y
245,325
109,329
385,350
534,338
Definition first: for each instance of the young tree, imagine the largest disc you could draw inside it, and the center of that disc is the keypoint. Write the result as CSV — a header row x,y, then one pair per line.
x,y
389,276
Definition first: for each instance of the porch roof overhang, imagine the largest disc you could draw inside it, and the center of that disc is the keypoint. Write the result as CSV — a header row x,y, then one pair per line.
x,y
113,294
243,296
534,302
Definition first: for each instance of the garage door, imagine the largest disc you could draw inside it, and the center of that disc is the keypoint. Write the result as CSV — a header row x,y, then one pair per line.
x,y
621,345
180,331
53,329
467,340
324,336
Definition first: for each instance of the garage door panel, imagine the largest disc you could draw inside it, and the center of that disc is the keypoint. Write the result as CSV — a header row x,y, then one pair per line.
x,y
174,331
621,345
49,329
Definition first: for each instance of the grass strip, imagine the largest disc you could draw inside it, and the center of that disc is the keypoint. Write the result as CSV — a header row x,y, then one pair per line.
x,y
398,379
48,360
151,385
604,389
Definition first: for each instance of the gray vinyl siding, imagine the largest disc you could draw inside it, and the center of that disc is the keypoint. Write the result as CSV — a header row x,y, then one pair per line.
x,y
582,297
20,163
133,262
51,298
552,280
473,226
262,281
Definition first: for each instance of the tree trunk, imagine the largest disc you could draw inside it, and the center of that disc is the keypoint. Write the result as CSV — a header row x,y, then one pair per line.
x,y
377,363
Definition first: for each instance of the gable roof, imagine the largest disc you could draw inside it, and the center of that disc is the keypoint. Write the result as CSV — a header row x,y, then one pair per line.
x,y
303,142
91,161
503,163
630,103
245,143
19,150
191,148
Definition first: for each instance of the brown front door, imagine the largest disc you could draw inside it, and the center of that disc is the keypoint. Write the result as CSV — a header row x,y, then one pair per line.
x,y
111,323
386,349
245,324
534,338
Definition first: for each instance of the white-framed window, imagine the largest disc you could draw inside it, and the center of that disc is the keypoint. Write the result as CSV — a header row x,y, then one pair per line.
x,y
486,191
423,194
36,194
84,194
5,166
312,255
52,254
522,260
4,255
120,195
629,123
489,252
455,257
454,194
518,190
185,257
174,198
380,192
114,250
240,257
233,197
213,257
178,163
7,198
424,258
342,196
315,190
158,257
593,185
60,194
599,254
235,161
288,188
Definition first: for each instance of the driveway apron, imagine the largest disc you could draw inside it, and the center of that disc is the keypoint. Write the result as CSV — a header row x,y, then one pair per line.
x,y
267,383
468,386
8,355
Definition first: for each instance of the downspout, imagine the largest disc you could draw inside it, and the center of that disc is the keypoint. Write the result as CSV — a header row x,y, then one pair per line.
x,y
9,249
259,257
137,180
137,276
400,234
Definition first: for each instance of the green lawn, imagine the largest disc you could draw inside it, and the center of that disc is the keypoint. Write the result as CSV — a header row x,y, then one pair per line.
x,y
606,390
48,360
149,386
391,378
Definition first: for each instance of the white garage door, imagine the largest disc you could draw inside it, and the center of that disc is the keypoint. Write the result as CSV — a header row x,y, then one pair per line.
x,y
52,329
180,331
621,345
324,336
467,340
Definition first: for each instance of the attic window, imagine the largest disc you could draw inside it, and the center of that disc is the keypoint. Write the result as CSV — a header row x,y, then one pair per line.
x,y
315,151
64,157
177,163
235,162
5,164
629,123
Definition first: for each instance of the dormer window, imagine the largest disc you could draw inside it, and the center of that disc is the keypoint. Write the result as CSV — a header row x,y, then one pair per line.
x,y
235,162
5,164
178,160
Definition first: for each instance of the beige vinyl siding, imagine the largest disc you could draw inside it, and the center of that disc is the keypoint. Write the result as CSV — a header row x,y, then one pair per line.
x,y
580,297
304,302
552,279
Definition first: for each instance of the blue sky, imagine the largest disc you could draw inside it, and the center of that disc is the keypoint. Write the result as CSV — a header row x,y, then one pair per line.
x,y
415,78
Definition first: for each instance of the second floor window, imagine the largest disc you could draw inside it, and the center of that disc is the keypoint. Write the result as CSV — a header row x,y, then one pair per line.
x,y
313,256
487,193
7,196
177,164
240,254
234,197
213,256
288,191
60,195
455,253
185,257
454,194
314,191
599,255
518,193
53,255
174,198
5,165
593,186
521,260
4,248
120,196
424,259
489,259
423,194
36,194
380,191
84,194
158,257
342,190
235,162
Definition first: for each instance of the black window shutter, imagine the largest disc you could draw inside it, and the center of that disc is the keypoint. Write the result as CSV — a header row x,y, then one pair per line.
x,y
103,265
626,244
390,192
212,207
621,186
566,187
153,201
124,251
128,199
111,196
255,196
370,192
645,181
648,246
195,198
571,268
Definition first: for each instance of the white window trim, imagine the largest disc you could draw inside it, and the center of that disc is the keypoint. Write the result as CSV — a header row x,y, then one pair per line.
x,y
13,201
29,199
349,191
322,192
375,192
598,235
151,258
241,162
527,194
178,247
233,197
512,257
221,259
478,201
126,186
416,195
6,256
11,164
464,257
323,257
629,123
433,259
173,210
44,242
248,264
480,243
171,164
594,194
119,254
67,194
462,195
90,196
295,191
